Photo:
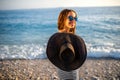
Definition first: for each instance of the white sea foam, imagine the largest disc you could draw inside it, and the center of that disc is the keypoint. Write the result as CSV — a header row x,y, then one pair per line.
x,y
36,51
107,50
22,51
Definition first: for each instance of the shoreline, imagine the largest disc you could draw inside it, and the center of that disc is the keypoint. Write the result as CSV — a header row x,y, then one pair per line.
x,y
43,69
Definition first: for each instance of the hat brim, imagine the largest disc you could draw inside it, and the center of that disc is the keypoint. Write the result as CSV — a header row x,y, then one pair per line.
x,y
53,50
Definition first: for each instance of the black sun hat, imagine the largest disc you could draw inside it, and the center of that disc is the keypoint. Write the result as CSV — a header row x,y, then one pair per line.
x,y
66,51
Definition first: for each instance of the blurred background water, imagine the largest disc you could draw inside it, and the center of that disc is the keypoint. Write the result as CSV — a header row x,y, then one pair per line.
x,y
24,33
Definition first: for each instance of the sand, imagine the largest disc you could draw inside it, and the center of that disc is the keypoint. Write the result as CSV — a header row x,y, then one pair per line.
x,y
92,69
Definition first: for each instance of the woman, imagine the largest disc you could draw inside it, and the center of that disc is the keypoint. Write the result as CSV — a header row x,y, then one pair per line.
x,y
67,21
67,24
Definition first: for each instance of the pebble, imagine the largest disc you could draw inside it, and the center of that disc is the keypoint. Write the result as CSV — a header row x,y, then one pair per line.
x,y
44,70
94,78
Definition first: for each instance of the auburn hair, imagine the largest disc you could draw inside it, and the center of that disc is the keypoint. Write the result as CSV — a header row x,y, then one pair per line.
x,y
62,18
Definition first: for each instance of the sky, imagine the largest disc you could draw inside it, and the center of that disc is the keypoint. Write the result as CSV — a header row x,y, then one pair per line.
x,y
28,4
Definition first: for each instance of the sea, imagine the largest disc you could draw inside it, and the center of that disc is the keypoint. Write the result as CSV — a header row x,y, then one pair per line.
x,y
24,33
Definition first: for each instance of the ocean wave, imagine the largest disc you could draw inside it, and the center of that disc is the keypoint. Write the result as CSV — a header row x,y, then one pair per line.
x,y
22,51
35,51
100,51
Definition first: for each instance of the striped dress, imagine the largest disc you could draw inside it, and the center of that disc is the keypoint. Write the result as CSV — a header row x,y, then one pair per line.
x,y
72,75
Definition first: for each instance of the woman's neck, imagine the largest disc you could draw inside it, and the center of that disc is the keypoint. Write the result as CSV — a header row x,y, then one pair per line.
x,y
67,31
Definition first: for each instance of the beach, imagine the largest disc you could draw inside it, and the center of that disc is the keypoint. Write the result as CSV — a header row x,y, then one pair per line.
x,y
24,35
43,69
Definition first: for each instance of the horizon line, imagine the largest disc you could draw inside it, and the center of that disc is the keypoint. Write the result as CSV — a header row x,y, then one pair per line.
x,y
60,7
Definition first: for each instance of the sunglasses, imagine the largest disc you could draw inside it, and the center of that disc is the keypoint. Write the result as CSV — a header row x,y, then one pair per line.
x,y
72,18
